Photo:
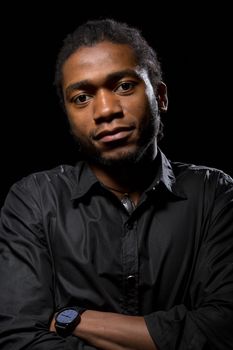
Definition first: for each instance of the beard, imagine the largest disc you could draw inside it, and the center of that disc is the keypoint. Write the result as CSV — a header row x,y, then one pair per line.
x,y
142,153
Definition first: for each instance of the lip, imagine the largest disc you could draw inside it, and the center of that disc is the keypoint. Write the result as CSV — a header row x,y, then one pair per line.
x,y
114,134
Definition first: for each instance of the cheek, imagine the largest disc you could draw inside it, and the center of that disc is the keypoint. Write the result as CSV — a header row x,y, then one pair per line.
x,y
78,123
137,108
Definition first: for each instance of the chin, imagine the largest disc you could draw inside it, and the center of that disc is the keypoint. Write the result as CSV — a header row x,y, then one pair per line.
x,y
121,158
120,155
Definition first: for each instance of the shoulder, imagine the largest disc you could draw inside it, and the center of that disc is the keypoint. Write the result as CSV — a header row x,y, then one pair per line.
x,y
187,176
202,179
61,173
207,189
42,184
201,173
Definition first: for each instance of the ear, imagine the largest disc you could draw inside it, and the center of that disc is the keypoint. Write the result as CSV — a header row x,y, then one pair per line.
x,y
162,98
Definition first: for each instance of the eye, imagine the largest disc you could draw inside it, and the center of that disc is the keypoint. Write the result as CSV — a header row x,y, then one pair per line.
x,y
125,86
80,99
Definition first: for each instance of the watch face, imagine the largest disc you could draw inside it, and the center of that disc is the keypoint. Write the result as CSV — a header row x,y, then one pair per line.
x,y
67,316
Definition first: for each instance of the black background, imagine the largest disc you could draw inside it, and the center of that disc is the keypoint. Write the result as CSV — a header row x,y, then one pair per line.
x,y
193,43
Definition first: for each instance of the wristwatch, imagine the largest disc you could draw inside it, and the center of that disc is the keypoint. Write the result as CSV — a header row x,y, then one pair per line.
x,y
67,319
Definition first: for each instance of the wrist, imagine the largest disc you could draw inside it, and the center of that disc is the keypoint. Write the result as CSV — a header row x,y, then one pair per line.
x,y
89,325
67,319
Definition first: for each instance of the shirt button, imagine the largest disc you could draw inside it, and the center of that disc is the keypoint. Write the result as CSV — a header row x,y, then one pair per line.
x,y
131,279
129,225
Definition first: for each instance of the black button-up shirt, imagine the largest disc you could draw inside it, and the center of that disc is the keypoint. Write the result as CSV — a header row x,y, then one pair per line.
x,y
67,240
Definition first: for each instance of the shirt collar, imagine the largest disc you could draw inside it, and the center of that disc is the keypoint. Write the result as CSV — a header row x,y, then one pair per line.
x,y
85,179
166,176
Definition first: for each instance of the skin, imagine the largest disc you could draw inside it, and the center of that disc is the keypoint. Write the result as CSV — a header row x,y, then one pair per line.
x,y
113,112
109,103
106,330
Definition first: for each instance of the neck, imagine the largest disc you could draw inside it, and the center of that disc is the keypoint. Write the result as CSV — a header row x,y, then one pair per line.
x,y
131,180
123,192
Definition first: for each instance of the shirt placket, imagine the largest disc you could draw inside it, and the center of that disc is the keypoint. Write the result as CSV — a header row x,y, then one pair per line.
x,y
130,268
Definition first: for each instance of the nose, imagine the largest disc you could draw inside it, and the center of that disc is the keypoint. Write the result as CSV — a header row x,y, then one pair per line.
x,y
106,106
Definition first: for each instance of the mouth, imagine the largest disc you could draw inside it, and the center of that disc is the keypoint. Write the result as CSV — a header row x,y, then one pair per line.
x,y
115,134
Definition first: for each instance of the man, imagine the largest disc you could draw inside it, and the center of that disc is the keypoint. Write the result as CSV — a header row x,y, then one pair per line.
x,y
126,250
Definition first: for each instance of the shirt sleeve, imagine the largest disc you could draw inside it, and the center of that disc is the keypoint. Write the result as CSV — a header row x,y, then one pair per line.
x,y
27,300
205,320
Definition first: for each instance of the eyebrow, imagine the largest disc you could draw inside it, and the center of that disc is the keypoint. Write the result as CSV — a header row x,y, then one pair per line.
x,y
84,84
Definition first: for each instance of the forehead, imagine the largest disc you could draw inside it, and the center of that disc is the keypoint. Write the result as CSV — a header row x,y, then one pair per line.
x,y
90,62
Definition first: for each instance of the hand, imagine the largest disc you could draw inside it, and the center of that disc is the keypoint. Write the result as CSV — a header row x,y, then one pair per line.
x,y
52,325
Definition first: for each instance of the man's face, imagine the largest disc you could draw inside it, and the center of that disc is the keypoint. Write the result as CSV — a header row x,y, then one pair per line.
x,y
110,103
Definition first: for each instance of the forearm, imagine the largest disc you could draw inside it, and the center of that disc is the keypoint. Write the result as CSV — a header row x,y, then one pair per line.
x,y
114,331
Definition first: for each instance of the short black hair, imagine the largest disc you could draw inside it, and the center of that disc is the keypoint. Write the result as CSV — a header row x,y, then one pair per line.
x,y
94,31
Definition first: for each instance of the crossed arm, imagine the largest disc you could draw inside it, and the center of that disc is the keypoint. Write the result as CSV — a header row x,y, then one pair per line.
x,y
27,298
106,330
